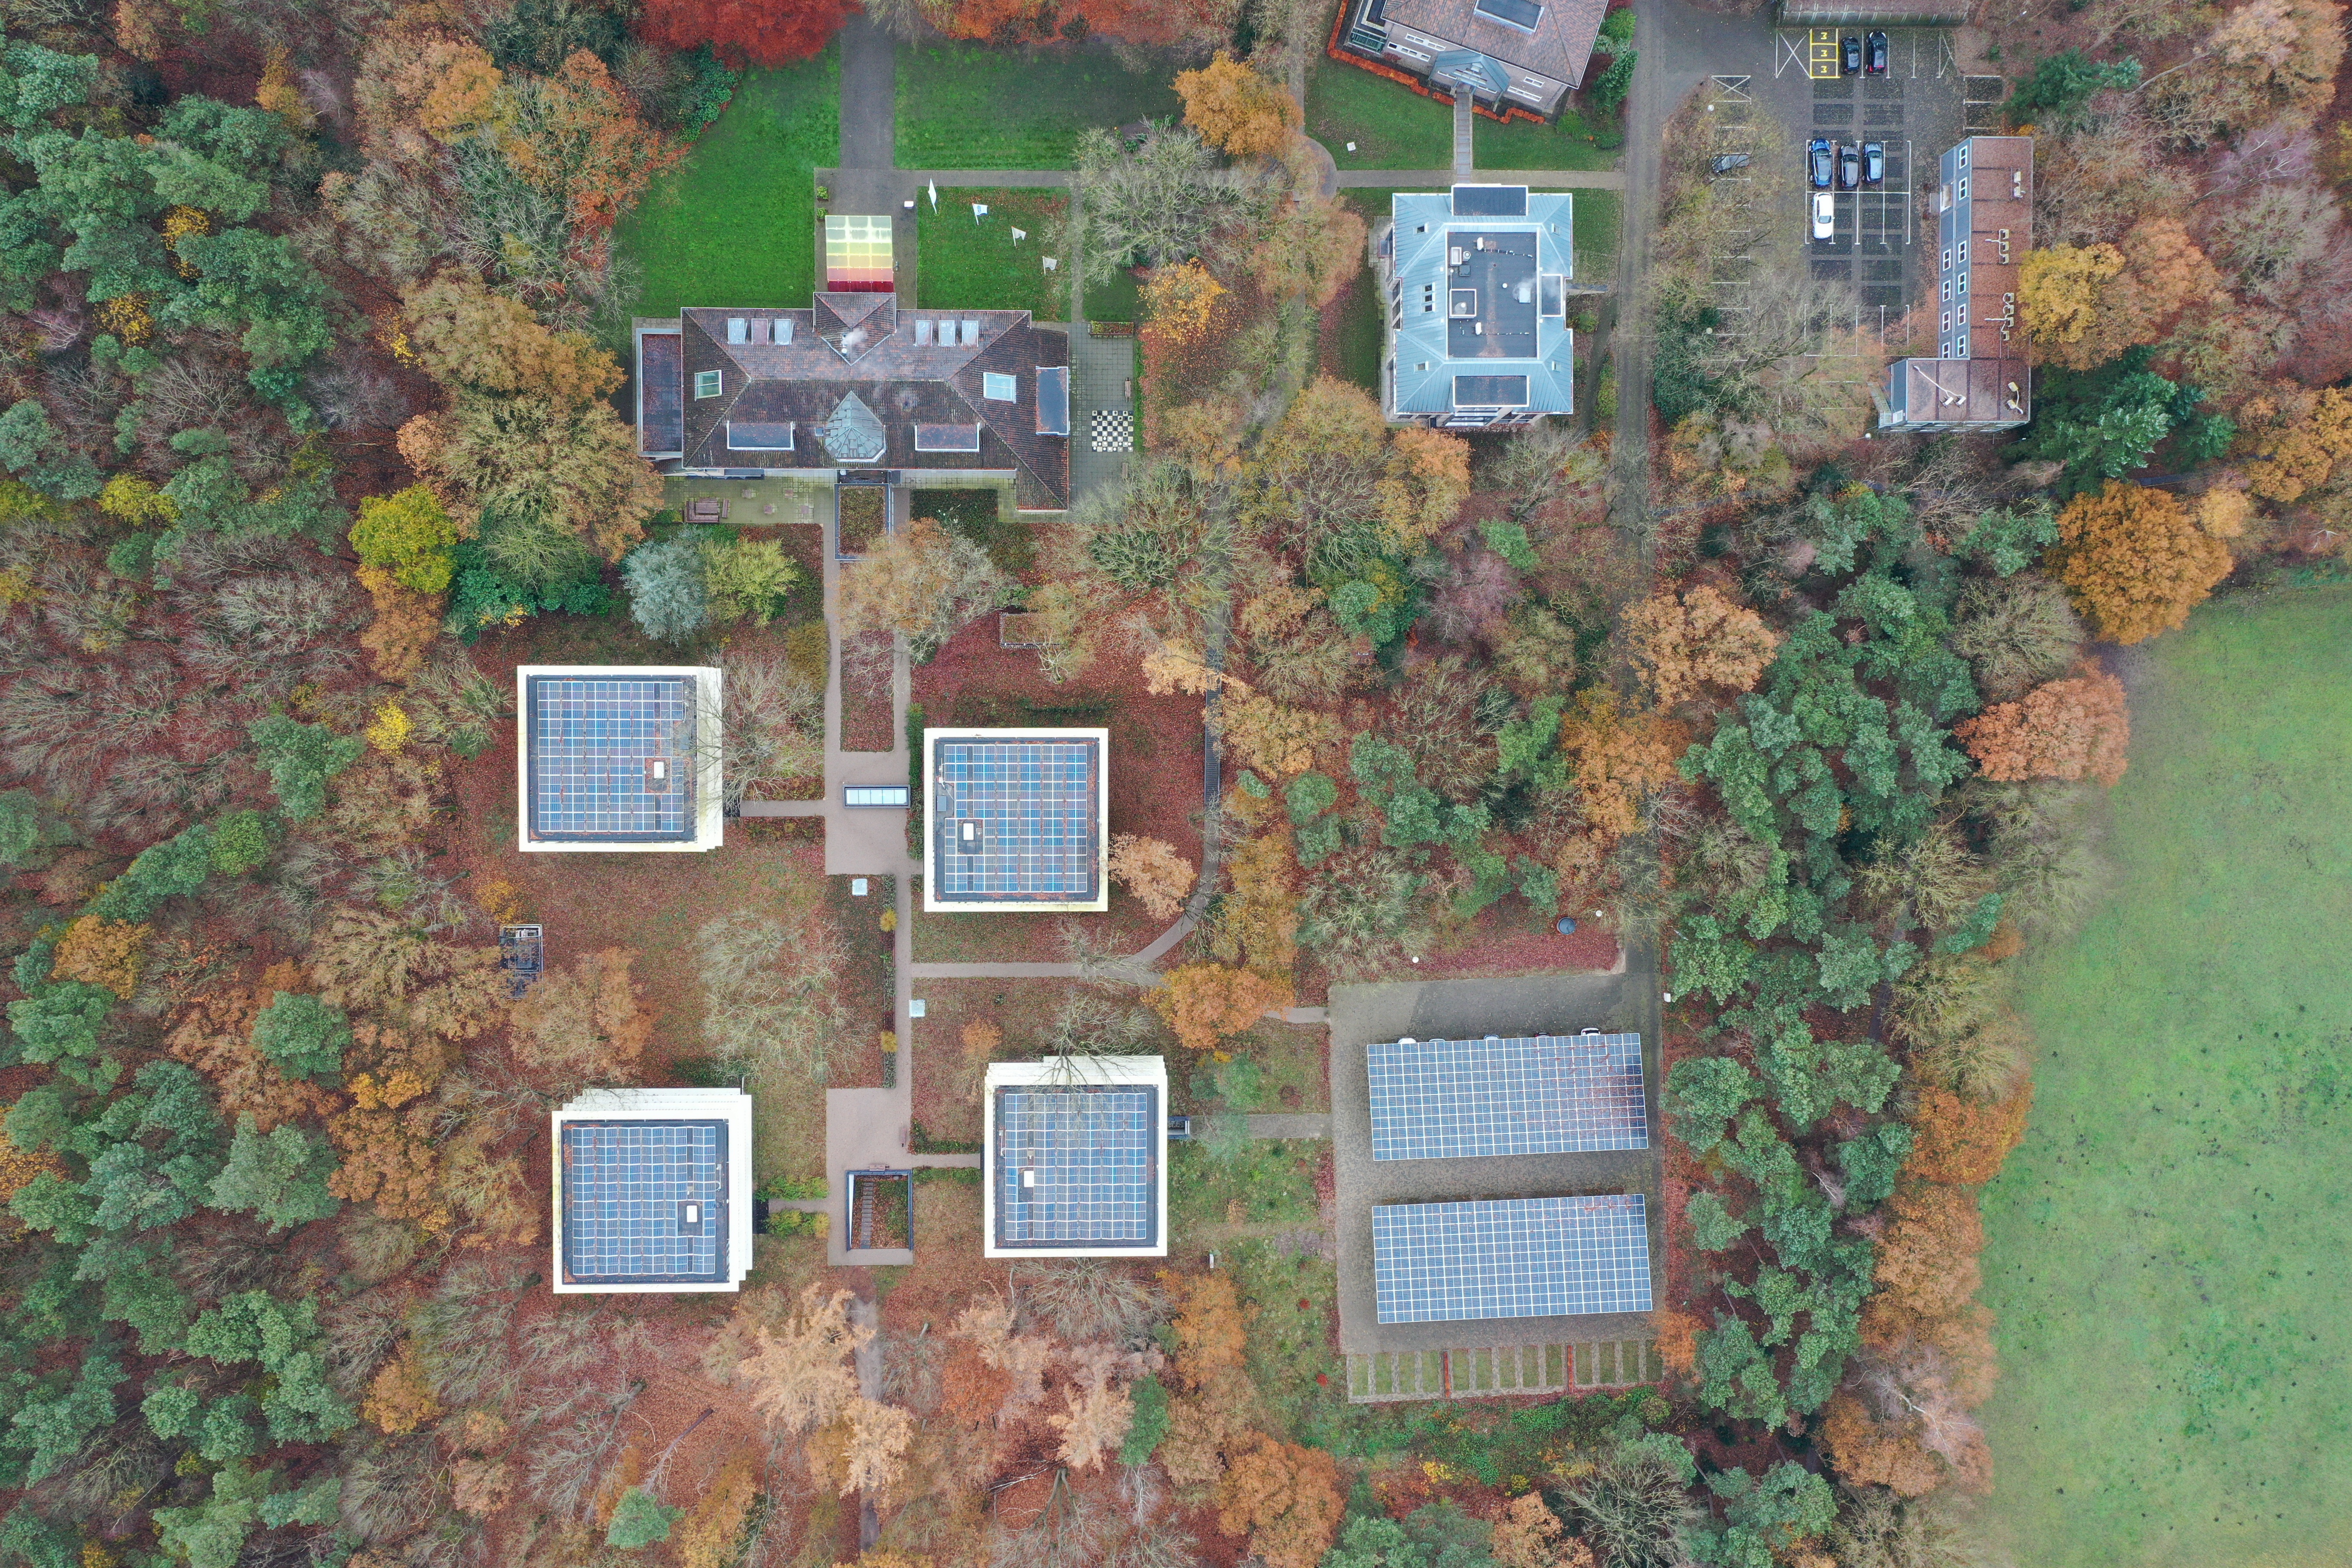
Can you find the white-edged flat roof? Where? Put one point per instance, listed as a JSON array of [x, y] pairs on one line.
[[618, 757], [1075, 1158], [1016, 820], [652, 1190]]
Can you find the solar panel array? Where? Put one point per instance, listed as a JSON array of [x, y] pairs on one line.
[[1035, 802], [1077, 1165], [625, 1185], [1514, 1258], [592, 740], [1543, 1094]]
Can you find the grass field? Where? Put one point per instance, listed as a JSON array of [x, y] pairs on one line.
[[970, 263], [2167, 1248], [1393, 126], [1598, 214], [1564, 145], [965, 106], [735, 223]]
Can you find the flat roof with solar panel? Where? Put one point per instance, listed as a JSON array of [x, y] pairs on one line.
[[1482, 1099], [619, 757], [1016, 819], [1076, 1162], [653, 1190], [1510, 1257]]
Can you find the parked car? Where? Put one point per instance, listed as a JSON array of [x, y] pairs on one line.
[[1728, 162], [1818, 155], [1874, 60], [1874, 162], [1824, 215], [1850, 54], [1849, 167]]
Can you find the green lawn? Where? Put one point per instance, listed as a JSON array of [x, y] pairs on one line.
[[1393, 126], [1564, 145], [1598, 214], [970, 263], [736, 222], [966, 106], [2168, 1251]]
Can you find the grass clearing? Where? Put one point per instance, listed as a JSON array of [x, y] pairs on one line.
[[989, 519], [736, 222], [2166, 1251], [1393, 126], [1271, 1180], [1599, 215], [970, 263], [967, 106], [1566, 143]]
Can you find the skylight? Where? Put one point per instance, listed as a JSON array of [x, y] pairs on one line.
[[1000, 388]]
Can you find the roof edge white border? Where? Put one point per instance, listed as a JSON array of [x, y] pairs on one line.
[[934, 904], [709, 780], [1085, 1070], [732, 1106]]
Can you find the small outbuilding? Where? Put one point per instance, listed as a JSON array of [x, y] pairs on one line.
[[653, 1190]]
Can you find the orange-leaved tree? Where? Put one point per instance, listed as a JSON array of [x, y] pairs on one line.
[[1206, 1002], [2077, 728], [1236, 108], [588, 1024], [1928, 1253], [1702, 639], [2135, 560], [1153, 870], [1285, 1497], [1963, 1141]]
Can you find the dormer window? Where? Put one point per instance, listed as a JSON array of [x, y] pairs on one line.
[[738, 330], [706, 384]]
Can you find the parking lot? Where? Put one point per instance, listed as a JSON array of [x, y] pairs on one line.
[[1920, 106]]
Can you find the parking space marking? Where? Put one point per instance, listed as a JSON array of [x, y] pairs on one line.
[[1822, 52], [1790, 53]]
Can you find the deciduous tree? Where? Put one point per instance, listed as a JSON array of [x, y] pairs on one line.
[[1702, 639], [2135, 560], [1153, 871], [1928, 1253], [799, 1373], [1962, 1142], [923, 584], [2058, 297], [2073, 728], [1203, 1002], [1235, 108], [1285, 1497], [589, 1024], [764, 33]]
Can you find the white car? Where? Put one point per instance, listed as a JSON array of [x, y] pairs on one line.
[[1824, 215]]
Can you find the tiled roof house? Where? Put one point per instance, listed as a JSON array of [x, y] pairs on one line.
[[858, 382], [1509, 54]]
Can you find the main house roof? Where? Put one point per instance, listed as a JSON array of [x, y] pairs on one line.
[[1481, 273], [853, 360]]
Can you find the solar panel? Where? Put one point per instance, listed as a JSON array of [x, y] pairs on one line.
[[1543, 1094], [1015, 820], [1078, 1164], [611, 758], [1514, 1258], [645, 1202]]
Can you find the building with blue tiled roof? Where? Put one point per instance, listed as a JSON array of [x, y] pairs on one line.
[[1478, 278]]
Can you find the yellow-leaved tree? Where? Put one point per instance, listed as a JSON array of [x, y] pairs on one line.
[[2136, 561]]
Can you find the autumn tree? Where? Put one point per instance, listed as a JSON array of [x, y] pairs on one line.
[[715, 1524], [1529, 1535], [1203, 1002], [1700, 640], [587, 1024], [2058, 297], [1620, 760], [1153, 871], [1285, 1497], [763, 33], [1961, 1141], [409, 535], [1095, 1419], [1332, 481], [2135, 560], [799, 1373], [1211, 1332], [2073, 729], [2298, 439], [1235, 107], [921, 583], [1928, 1253], [105, 953]]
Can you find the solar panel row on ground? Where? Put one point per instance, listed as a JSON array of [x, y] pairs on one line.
[[1015, 820], [1514, 1258], [612, 759], [1544, 1094], [625, 1188], [1075, 1165]]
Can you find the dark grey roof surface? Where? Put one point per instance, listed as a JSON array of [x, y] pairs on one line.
[[864, 345], [1559, 46]]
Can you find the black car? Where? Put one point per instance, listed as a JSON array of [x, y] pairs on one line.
[[1819, 156], [1876, 62], [1849, 167], [1874, 162], [1850, 54]]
